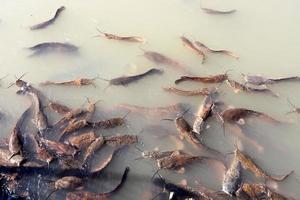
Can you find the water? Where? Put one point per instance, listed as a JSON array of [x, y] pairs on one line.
[[263, 33]]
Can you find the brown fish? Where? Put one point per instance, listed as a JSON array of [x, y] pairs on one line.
[[219, 78], [213, 11], [108, 123], [120, 140], [177, 160], [189, 44], [126, 80], [121, 38], [50, 21], [77, 82], [249, 164], [198, 92], [82, 140], [59, 108], [185, 132], [234, 115], [161, 59], [67, 183], [14, 142], [73, 125], [93, 147], [41, 153], [90, 108], [58, 148], [80, 195], [222, 51], [203, 113], [260, 191], [237, 87], [154, 111], [40, 119]]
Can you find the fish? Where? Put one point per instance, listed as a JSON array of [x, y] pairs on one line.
[[186, 133], [260, 80], [77, 82], [45, 24], [121, 38], [126, 80], [59, 108], [92, 148], [214, 11], [161, 59], [237, 87], [50, 47], [189, 44], [234, 115], [233, 177], [14, 142], [82, 140], [153, 111], [221, 51], [177, 191], [259, 191], [120, 140], [219, 78], [80, 195], [248, 163], [198, 92], [203, 113]]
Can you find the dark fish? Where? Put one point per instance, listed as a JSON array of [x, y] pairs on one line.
[[126, 80], [15, 143], [80, 195], [121, 38], [219, 78], [174, 190], [260, 80], [189, 44], [50, 21], [198, 92], [221, 51], [213, 11], [233, 177], [48, 47]]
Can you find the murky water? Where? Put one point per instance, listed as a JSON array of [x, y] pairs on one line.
[[263, 33]]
